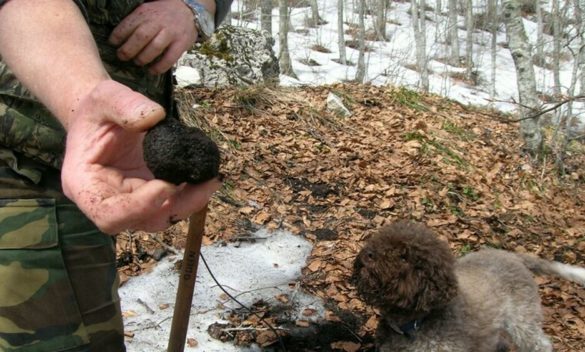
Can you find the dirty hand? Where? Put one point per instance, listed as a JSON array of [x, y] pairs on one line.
[[155, 33], [104, 172]]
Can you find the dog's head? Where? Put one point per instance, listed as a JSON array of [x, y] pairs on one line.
[[405, 269]]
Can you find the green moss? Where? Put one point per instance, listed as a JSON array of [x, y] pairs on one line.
[[454, 129], [409, 98], [218, 48]]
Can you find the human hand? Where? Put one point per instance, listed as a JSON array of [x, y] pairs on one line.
[[104, 172], [155, 33]]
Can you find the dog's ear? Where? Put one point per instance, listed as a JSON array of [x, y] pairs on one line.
[[438, 281]]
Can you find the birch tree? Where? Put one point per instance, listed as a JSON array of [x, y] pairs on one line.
[[521, 52], [418, 22], [539, 58], [580, 6], [493, 11], [453, 38], [340, 33], [380, 19], [360, 74], [438, 9], [469, 40], [556, 17], [315, 18], [283, 54], [266, 15]]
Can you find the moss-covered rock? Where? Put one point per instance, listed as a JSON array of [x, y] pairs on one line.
[[234, 56]]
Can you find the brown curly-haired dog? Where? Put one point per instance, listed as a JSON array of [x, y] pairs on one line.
[[430, 302]]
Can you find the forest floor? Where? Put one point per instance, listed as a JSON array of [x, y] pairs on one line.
[[292, 165]]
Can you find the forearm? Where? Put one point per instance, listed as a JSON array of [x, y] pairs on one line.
[[50, 49]]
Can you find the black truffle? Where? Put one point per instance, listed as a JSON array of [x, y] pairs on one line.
[[177, 153]]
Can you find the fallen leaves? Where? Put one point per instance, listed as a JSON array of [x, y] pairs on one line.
[[292, 165]]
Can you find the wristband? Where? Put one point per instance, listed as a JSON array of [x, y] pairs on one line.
[[204, 21]]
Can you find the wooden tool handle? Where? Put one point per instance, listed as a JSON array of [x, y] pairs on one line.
[[186, 287]]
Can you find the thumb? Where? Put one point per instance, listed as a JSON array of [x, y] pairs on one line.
[[125, 107]]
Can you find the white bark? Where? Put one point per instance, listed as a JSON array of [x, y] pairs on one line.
[[579, 13], [315, 19], [539, 35], [283, 54], [556, 47], [438, 8], [360, 74], [419, 27], [340, 33], [453, 30], [380, 19], [522, 54], [493, 11], [266, 15], [579, 54], [469, 40]]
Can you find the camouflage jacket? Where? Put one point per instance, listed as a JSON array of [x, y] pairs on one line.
[[29, 129]]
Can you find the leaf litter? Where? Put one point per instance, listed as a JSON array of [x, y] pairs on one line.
[[292, 165]]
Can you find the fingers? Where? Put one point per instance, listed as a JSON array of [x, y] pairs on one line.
[[154, 49], [156, 33], [152, 206], [139, 209], [126, 27], [142, 37], [113, 102], [171, 55], [192, 198]]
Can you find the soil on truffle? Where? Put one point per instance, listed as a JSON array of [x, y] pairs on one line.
[[177, 153]]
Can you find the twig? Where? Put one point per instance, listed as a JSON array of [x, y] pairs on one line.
[[165, 246], [251, 328], [145, 305], [542, 112], [274, 331]]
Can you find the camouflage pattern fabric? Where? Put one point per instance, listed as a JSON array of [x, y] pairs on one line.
[[58, 279], [58, 273]]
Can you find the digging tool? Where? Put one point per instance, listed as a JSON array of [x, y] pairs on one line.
[[187, 281]]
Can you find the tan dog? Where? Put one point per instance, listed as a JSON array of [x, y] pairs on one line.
[[431, 302]]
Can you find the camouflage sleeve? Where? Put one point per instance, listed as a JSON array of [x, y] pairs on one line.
[[2, 2]]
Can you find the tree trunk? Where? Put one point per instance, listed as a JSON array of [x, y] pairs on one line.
[[579, 55], [556, 47], [418, 22], [315, 19], [469, 41], [360, 74], [438, 8], [283, 54], [453, 37], [266, 15], [580, 4], [340, 33], [380, 19], [522, 54], [540, 60], [493, 11]]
